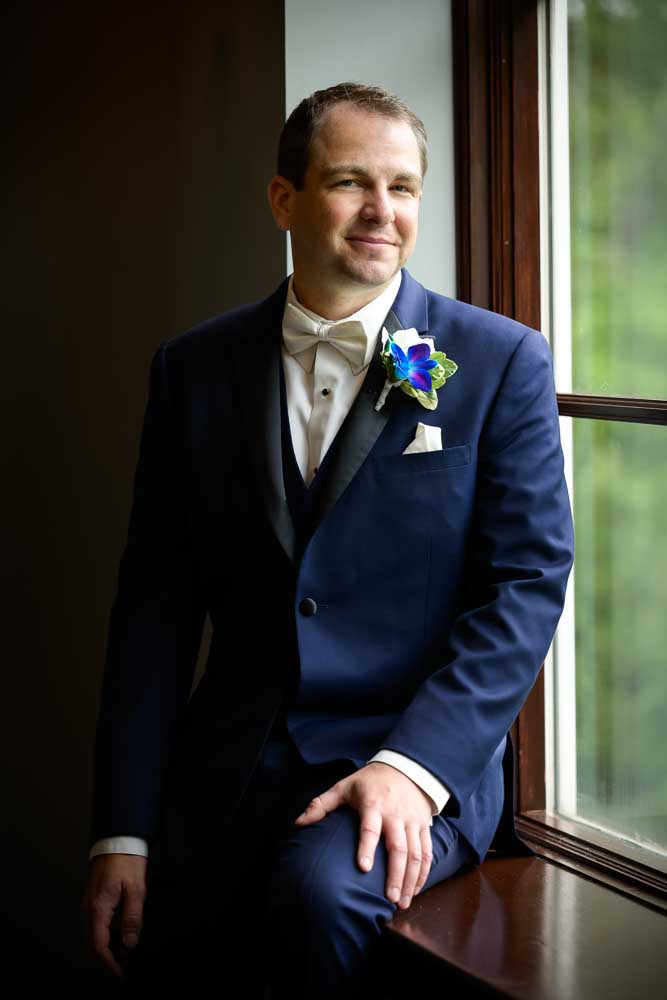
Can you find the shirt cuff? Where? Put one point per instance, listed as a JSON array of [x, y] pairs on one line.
[[436, 791], [119, 845]]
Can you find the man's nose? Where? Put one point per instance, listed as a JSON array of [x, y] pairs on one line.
[[378, 206]]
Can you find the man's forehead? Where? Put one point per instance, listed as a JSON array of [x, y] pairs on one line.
[[346, 118], [348, 134]]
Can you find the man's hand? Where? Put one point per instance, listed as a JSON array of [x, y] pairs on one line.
[[115, 892], [391, 803]]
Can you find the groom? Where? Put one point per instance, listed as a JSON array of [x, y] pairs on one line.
[[361, 481]]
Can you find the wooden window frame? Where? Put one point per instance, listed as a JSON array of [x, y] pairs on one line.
[[496, 118]]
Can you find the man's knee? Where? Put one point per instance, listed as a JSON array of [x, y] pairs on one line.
[[316, 878]]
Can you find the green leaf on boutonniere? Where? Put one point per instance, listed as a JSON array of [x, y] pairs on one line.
[[445, 369], [427, 399]]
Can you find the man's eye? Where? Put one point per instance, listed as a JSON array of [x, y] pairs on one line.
[[348, 180]]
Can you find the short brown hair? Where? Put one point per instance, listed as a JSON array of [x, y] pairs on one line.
[[299, 129]]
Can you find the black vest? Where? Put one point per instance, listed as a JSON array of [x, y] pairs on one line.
[[303, 502]]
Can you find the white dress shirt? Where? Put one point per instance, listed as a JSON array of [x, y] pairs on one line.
[[315, 418]]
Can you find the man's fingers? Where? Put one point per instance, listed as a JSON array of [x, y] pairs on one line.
[[99, 934], [107, 958], [318, 807], [370, 828], [413, 866], [427, 858], [397, 858], [131, 919]]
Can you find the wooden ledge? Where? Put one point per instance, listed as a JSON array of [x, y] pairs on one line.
[[526, 928]]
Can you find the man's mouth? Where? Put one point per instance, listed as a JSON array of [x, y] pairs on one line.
[[371, 240]]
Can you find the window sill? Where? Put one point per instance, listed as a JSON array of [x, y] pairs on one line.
[[618, 864], [527, 928]]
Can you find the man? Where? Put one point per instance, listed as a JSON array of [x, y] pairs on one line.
[[384, 565]]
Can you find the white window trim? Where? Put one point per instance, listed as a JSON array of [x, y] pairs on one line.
[[556, 310]]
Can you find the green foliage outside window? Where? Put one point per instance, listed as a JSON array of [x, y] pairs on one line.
[[617, 55]]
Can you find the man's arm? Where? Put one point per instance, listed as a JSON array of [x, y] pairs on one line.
[[154, 635], [520, 555], [155, 627]]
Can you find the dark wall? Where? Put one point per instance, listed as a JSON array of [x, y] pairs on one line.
[[141, 141]]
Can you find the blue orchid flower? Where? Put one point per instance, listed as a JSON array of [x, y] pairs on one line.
[[413, 366]]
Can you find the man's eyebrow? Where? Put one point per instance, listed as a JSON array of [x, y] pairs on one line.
[[351, 168]]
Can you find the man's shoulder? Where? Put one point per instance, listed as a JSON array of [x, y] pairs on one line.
[[468, 328], [232, 329], [460, 315], [216, 331]]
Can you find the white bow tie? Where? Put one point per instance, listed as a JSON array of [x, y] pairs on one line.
[[348, 336]]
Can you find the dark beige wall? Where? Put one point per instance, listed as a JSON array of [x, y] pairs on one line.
[[141, 140]]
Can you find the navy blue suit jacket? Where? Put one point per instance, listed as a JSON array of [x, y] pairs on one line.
[[438, 577]]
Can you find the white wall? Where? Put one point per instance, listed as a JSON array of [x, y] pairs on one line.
[[408, 49]]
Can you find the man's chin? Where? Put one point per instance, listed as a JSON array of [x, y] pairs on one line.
[[371, 275]]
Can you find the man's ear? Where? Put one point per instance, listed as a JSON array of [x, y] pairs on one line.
[[282, 198]]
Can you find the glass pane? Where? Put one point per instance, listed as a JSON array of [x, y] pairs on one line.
[[617, 73], [620, 633]]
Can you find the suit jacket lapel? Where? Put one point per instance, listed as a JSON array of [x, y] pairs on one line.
[[260, 407], [364, 424], [359, 431]]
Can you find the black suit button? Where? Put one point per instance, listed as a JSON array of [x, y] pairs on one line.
[[308, 607]]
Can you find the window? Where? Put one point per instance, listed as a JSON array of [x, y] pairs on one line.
[[606, 119], [561, 115]]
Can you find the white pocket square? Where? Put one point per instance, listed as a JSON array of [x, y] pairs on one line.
[[427, 438]]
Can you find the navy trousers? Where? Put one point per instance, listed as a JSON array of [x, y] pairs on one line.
[[274, 910]]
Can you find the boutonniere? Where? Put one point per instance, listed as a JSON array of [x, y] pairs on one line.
[[411, 363]]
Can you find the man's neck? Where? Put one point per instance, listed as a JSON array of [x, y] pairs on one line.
[[338, 304]]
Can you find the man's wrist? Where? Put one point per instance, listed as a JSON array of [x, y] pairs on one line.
[[438, 793], [119, 845]]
